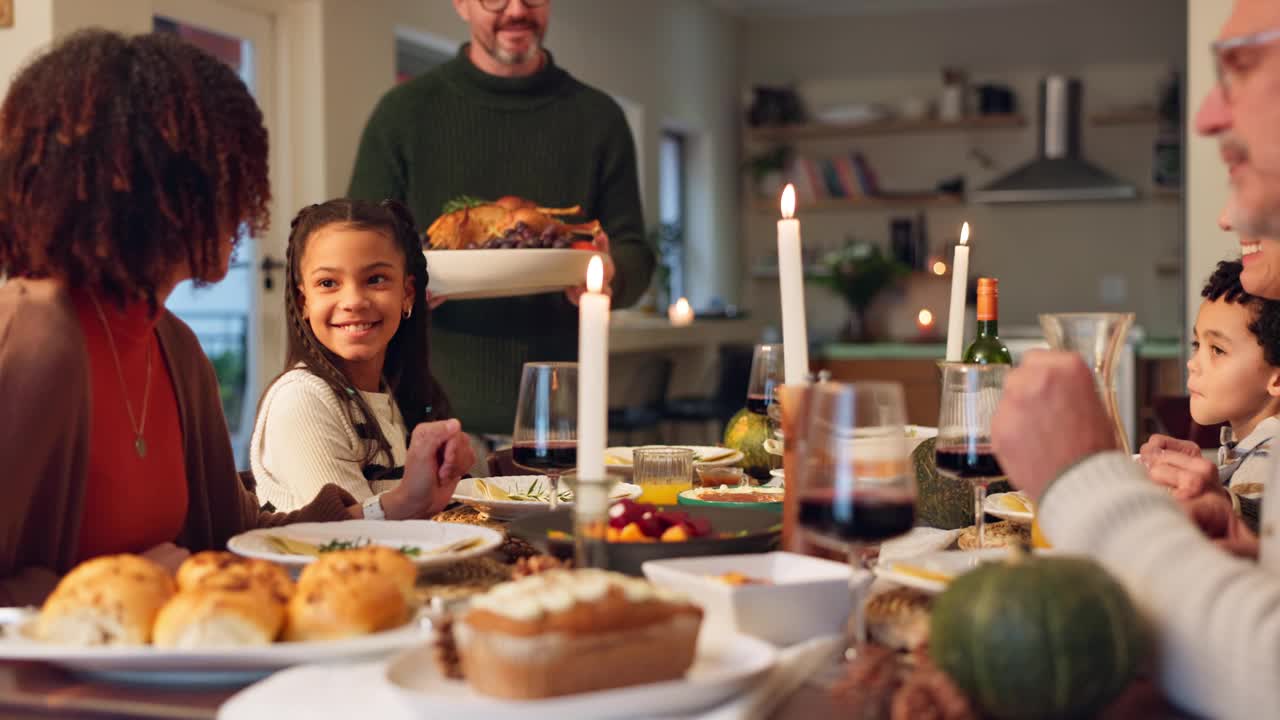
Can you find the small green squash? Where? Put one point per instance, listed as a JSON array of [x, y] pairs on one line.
[[1038, 637], [747, 431], [942, 501]]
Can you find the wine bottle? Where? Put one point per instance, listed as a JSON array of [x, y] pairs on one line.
[[987, 348]]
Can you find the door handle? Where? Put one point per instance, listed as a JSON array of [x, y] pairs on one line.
[[269, 265]]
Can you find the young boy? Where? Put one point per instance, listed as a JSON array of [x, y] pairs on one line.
[[1234, 377]]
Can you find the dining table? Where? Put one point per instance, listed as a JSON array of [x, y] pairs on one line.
[[38, 690]]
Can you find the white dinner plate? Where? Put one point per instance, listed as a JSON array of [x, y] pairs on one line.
[[617, 460], [468, 492], [151, 665], [950, 563], [724, 667], [994, 505], [476, 274], [428, 536]]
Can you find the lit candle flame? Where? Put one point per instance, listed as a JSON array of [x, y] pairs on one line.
[[939, 268], [925, 318], [595, 275], [964, 234], [680, 313], [789, 201]]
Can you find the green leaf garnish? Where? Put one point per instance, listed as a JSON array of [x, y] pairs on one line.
[[462, 202]]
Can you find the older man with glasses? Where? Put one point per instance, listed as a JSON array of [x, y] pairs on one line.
[[1217, 615], [501, 118]]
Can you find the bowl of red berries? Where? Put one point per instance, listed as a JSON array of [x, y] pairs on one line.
[[637, 532]]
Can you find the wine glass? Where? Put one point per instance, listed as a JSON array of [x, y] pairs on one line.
[[766, 373], [545, 439], [856, 488], [970, 393]]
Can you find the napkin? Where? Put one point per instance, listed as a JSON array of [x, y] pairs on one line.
[[344, 691], [919, 541]]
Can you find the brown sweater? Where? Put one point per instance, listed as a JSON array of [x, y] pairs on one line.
[[44, 440]]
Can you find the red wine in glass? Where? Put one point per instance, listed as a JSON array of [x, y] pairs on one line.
[[865, 517], [975, 463], [758, 404], [553, 457]]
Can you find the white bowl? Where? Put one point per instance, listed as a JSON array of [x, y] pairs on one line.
[[474, 274], [807, 597]]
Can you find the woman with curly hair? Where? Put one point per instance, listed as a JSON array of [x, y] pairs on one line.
[[127, 165]]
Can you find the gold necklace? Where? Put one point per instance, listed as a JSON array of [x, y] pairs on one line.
[[139, 444]]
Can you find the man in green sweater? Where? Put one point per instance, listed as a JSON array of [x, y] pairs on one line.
[[502, 118]]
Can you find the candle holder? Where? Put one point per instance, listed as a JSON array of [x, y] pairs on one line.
[[590, 521]]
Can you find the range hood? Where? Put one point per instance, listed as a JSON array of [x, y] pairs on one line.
[[1058, 173]]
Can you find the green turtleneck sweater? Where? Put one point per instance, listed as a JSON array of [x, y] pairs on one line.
[[459, 131]]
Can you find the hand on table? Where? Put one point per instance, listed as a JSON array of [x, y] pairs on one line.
[[439, 455], [1180, 466], [601, 242], [1049, 418], [434, 302], [1214, 514]]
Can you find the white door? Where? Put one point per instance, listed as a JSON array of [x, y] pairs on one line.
[[238, 320]]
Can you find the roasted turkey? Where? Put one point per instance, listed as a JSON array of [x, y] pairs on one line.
[[508, 222]]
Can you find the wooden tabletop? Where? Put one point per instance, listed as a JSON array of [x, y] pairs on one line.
[[33, 690]]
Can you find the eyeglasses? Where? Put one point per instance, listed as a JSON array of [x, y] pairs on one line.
[[1233, 57], [497, 6]]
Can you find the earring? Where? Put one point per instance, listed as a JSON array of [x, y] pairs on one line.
[[408, 313]]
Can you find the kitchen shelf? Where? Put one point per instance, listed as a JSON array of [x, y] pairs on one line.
[[1132, 116], [878, 202], [814, 131]]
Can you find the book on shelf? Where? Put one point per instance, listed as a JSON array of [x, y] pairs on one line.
[[839, 177]]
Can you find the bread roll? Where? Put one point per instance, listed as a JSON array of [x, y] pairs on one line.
[[226, 571], [352, 592], [110, 600], [371, 559], [348, 606], [1004, 533], [220, 618]]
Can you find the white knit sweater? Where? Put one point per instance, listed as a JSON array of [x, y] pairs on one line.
[[302, 441], [1217, 617]]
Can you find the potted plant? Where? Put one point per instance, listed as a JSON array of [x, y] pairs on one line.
[[767, 169], [858, 272]]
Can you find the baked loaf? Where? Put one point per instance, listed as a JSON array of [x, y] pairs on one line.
[[213, 570], [569, 631], [351, 592], [899, 618], [998, 535], [220, 618], [109, 600]]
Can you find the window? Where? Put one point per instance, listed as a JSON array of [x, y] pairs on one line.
[[673, 202]]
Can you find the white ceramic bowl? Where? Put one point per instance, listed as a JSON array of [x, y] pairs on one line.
[[807, 597]]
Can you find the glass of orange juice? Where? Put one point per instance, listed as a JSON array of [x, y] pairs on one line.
[[662, 473]]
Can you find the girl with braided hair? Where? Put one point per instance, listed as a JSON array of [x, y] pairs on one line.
[[357, 376], [127, 165]]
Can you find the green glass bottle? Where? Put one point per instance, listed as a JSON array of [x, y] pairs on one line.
[[987, 349]]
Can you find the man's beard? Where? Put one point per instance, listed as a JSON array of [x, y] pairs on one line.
[[1255, 222], [507, 57], [1261, 223]]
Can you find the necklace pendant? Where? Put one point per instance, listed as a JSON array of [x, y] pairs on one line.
[[140, 446]]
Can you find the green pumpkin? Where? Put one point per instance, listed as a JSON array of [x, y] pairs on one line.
[[747, 432], [942, 501], [1038, 637]]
